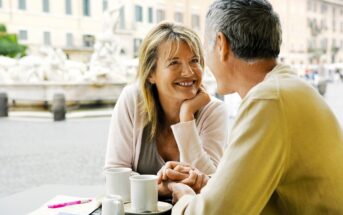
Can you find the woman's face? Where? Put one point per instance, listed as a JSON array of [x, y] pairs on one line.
[[177, 77]]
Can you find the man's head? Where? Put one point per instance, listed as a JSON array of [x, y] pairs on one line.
[[250, 28]]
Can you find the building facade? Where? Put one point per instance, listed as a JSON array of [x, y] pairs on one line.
[[140, 16], [312, 29], [73, 25]]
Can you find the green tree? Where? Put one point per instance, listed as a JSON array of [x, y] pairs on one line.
[[9, 45]]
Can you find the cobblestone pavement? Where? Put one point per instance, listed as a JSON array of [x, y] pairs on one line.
[[34, 152]]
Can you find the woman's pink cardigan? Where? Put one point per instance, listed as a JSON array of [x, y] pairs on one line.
[[201, 141]]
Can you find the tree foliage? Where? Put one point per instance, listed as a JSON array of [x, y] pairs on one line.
[[9, 45]]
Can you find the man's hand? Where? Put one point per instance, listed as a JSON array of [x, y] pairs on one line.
[[190, 106], [180, 190]]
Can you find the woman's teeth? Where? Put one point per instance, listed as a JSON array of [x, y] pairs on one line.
[[186, 84]]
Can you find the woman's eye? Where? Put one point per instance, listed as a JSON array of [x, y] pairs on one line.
[[195, 60], [173, 63]]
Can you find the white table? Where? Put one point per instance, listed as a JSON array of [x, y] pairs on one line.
[[31, 199]]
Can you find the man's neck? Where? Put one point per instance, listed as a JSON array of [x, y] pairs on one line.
[[251, 74]]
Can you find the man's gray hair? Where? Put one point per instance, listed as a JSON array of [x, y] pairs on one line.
[[251, 26]]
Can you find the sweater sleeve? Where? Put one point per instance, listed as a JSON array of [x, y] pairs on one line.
[[119, 151], [202, 147], [252, 165]]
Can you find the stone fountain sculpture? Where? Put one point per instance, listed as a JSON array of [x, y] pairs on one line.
[[51, 64], [49, 76], [106, 61]]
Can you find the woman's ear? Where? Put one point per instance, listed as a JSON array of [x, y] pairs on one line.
[[223, 46], [151, 78]]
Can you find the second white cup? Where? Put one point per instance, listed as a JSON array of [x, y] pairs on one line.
[[118, 183], [144, 193]]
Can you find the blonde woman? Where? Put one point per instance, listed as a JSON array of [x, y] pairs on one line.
[[166, 115]]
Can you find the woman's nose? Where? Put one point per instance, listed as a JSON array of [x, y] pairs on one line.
[[187, 70]]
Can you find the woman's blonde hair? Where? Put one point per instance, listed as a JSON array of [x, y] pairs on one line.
[[148, 56]]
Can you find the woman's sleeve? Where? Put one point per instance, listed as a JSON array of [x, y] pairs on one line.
[[119, 151], [203, 147]]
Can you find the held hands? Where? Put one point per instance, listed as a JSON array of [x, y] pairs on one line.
[[190, 106], [172, 172]]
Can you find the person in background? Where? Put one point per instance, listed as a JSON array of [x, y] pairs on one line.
[[285, 150], [167, 115]]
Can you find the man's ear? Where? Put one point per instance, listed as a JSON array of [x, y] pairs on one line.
[[223, 46]]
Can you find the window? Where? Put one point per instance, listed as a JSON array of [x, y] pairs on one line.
[[333, 43], [46, 6], [195, 22], [136, 44], [70, 40], [104, 5], [47, 38], [88, 41], [138, 13], [23, 35], [324, 44], [86, 8], [323, 24], [150, 15], [333, 25], [160, 15], [122, 18], [323, 8], [178, 17], [314, 6], [22, 4], [309, 5], [68, 7]]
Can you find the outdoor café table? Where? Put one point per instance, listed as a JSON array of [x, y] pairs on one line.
[[31, 199]]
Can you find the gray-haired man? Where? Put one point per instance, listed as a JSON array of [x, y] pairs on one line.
[[285, 153]]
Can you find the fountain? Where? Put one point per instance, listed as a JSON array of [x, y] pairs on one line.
[[42, 77], [106, 57]]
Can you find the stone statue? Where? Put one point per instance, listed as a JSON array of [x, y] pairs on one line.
[[105, 62], [111, 19]]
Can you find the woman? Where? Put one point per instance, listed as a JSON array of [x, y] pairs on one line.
[[167, 115]]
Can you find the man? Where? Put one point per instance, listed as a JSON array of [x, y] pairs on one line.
[[285, 150]]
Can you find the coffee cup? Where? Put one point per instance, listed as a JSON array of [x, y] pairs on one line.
[[118, 183], [144, 193]]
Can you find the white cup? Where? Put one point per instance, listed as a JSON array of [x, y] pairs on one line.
[[118, 183], [112, 205], [144, 193]]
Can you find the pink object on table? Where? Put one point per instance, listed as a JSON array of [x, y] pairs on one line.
[[60, 205]]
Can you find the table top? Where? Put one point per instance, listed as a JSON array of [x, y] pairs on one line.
[[31, 199]]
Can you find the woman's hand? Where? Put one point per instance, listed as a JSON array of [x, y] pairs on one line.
[[190, 106]]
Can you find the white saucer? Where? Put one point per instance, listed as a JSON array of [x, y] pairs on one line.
[[162, 208]]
